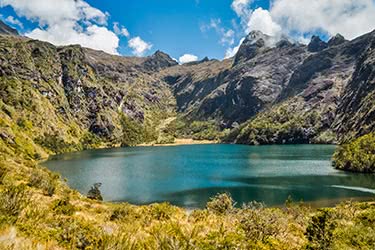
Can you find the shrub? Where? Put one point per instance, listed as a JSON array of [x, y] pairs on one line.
[[13, 200], [120, 213], [3, 172], [24, 123], [259, 224], [94, 193], [358, 155], [319, 232], [63, 206], [44, 181], [221, 204]]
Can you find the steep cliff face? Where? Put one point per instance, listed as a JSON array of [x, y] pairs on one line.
[[61, 98], [356, 112], [234, 91], [312, 107]]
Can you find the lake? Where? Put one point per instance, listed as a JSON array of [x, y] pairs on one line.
[[189, 175]]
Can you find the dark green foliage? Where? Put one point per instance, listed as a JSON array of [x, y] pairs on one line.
[[89, 141], [320, 230], [94, 192], [199, 130], [358, 155], [278, 126], [54, 143], [133, 132]]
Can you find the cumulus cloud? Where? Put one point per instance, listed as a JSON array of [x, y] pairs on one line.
[[261, 20], [14, 21], [64, 22], [95, 37], [48, 12], [242, 7], [187, 58], [300, 19], [350, 18], [139, 46], [120, 30]]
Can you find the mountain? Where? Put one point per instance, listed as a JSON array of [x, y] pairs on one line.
[[311, 106], [282, 92], [57, 99], [67, 98], [234, 90]]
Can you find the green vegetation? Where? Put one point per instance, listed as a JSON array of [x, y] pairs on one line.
[[358, 155], [199, 130], [287, 123]]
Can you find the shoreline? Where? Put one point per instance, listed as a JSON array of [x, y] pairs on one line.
[[179, 142]]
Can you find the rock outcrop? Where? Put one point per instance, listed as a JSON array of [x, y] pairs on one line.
[[316, 44]]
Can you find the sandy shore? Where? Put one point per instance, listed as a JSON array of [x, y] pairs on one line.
[[179, 142]]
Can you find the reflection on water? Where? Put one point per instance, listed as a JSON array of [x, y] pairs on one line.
[[188, 175]]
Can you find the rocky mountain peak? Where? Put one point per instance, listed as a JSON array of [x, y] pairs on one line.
[[6, 30], [284, 43], [255, 36], [206, 59], [316, 44], [159, 60], [336, 40], [253, 43]]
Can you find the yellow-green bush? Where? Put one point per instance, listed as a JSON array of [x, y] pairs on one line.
[[358, 155]]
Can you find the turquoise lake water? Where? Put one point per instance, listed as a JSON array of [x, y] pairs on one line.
[[189, 175]]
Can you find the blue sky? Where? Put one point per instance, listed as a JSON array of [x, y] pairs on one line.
[[199, 28], [175, 28]]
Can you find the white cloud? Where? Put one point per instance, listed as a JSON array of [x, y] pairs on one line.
[[120, 30], [350, 18], [95, 37], [233, 51], [301, 18], [261, 20], [139, 46], [187, 58], [241, 7], [65, 22], [226, 35], [48, 12], [14, 21]]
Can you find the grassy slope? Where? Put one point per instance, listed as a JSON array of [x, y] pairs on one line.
[[38, 209]]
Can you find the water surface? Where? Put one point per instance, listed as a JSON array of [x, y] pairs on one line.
[[188, 175]]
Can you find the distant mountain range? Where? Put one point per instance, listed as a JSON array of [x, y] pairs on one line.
[[270, 92]]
